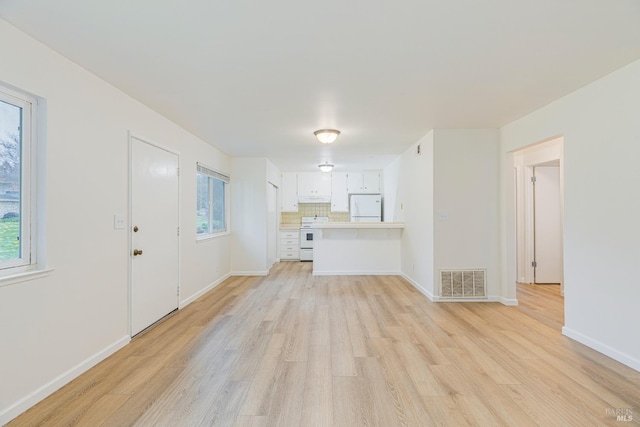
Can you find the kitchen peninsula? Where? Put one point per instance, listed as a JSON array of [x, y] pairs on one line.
[[351, 248]]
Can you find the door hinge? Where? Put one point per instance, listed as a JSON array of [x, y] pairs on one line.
[[178, 171], [533, 179], [534, 264], [178, 231]]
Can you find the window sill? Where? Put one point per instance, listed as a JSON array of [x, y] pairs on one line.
[[25, 276], [212, 236]]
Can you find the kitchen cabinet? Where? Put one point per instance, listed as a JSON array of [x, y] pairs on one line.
[[339, 193], [367, 182], [289, 193], [314, 185], [289, 245], [372, 182]]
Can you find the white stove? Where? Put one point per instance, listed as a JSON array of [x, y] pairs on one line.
[[306, 236]]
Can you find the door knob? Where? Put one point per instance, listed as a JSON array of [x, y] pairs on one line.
[[137, 252]]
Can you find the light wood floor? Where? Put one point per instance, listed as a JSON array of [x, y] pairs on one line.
[[296, 350]]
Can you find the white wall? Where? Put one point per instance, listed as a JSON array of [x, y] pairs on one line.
[[55, 327], [273, 174], [448, 199], [390, 190], [413, 204], [274, 207], [466, 203], [599, 124], [249, 213]]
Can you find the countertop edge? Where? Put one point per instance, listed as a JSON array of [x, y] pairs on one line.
[[359, 225], [290, 227]]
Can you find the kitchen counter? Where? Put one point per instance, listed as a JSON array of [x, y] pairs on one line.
[[354, 225], [357, 248], [360, 225], [285, 227]]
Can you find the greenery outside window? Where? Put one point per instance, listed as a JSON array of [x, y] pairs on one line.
[[17, 243], [212, 202]]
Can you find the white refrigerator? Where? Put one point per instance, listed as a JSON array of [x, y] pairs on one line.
[[365, 208]]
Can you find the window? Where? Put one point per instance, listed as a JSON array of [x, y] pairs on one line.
[[212, 201], [17, 248]]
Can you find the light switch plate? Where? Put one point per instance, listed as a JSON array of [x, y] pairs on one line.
[[118, 222]]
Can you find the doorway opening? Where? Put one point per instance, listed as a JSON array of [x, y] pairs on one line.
[[539, 211]]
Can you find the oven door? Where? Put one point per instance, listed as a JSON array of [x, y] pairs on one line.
[[306, 238]]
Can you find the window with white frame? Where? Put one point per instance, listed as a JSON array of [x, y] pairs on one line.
[[212, 201], [17, 206]]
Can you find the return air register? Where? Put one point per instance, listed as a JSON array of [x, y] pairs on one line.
[[463, 284]]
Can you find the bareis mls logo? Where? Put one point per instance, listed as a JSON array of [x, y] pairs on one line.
[[620, 414]]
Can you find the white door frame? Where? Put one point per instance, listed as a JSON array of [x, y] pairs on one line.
[[277, 223], [130, 137], [525, 160], [529, 225]]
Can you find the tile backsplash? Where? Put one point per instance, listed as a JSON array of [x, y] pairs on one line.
[[313, 209]]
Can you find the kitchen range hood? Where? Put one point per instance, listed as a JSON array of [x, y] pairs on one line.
[[314, 199]]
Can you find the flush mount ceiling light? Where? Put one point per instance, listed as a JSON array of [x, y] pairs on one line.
[[326, 167], [327, 136]]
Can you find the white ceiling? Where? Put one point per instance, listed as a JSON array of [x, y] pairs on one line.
[[257, 78]]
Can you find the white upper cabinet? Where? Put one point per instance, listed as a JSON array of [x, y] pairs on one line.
[[339, 193], [320, 187], [354, 182], [314, 185], [367, 182], [371, 181], [289, 193]]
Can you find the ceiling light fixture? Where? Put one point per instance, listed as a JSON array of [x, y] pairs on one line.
[[327, 136], [326, 167]]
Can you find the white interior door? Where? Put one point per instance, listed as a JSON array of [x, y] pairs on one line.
[[272, 224], [547, 225], [154, 234]]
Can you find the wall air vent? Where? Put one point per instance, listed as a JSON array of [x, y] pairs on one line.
[[463, 284]]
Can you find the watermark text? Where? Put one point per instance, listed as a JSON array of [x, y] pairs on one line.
[[620, 414]]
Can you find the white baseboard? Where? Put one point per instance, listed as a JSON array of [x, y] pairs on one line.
[[416, 285], [602, 348], [36, 396], [249, 273], [203, 291], [511, 302], [356, 273]]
